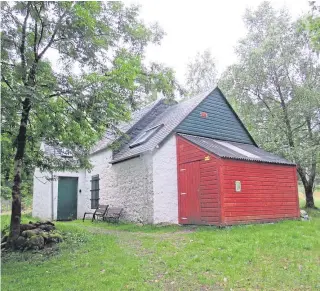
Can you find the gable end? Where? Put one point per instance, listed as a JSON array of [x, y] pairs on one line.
[[215, 118]]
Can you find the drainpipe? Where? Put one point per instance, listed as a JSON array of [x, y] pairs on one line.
[[52, 206]]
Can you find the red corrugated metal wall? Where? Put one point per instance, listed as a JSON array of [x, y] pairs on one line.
[[207, 194], [198, 185], [268, 192]]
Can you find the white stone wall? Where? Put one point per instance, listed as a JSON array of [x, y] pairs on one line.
[[127, 184], [42, 193], [101, 167], [165, 182]]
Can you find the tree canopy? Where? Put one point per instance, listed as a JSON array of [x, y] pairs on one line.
[[311, 23], [201, 73], [70, 70]]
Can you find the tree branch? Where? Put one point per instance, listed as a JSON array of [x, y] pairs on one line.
[[60, 93], [71, 105], [22, 46], [260, 98], [42, 24], [6, 81], [54, 33], [8, 64], [35, 50]]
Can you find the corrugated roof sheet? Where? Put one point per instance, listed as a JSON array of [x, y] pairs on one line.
[[235, 150], [170, 119]]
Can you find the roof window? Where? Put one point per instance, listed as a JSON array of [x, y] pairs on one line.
[[145, 136]]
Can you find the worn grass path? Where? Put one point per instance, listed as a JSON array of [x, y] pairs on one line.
[[101, 256]]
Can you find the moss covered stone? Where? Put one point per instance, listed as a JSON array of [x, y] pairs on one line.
[[35, 242], [20, 243], [55, 237], [31, 232]]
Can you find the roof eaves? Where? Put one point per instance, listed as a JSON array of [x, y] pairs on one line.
[[258, 161], [116, 161]]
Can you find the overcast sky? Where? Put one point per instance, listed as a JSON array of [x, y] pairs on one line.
[[194, 26]]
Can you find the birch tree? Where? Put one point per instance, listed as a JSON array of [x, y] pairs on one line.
[[201, 74]]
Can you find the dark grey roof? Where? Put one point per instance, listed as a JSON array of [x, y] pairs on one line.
[[170, 119], [56, 150], [123, 127], [235, 150]]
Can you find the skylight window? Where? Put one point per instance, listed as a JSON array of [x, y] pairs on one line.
[[145, 136], [238, 150], [65, 153]]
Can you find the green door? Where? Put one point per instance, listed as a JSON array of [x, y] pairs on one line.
[[67, 198]]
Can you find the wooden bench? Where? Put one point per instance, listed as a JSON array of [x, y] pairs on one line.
[[99, 212], [113, 214]]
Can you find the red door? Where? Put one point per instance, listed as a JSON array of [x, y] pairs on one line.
[[189, 185]]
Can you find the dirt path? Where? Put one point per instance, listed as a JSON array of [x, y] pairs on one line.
[[146, 245]]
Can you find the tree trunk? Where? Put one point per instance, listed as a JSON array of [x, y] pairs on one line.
[[309, 196], [18, 162], [308, 184]]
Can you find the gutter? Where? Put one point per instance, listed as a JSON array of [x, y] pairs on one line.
[[124, 159], [52, 200]]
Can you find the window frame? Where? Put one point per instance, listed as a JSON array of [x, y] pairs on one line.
[[95, 191], [145, 136]]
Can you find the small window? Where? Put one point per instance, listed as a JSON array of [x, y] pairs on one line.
[[145, 136], [65, 153], [94, 191], [238, 186]]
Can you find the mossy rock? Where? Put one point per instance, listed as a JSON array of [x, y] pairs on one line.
[[20, 243], [47, 227], [55, 237], [35, 242], [45, 235], [24, 227], [31, 232]]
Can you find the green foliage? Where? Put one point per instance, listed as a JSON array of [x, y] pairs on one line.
[[201, 74], [311, 23], [99, 77], [276, 88]]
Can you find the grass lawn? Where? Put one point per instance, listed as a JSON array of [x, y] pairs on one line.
[[100, 256]]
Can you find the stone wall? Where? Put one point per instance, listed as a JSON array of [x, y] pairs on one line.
[[127, 184], [165, 186]]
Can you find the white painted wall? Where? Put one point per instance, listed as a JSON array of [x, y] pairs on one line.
[[41, 207], [42, 203], [127, 184], [165, 182], [101, 167]]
